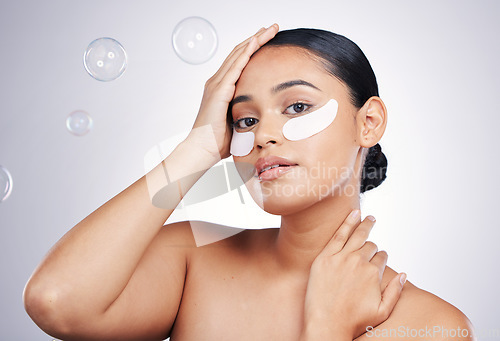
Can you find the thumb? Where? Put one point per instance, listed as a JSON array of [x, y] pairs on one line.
[[391, 294]]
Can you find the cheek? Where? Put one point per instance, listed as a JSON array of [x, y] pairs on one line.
[[245, 170], [331, 152], [326, 161]]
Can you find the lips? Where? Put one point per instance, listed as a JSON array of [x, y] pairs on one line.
[[272, 167]]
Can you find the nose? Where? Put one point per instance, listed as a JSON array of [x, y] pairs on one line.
[[269, 132]]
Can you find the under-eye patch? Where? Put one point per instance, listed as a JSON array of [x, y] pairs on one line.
[[295, 129], [305, 126], [242, 143]]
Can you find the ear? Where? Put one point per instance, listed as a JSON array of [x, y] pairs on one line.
[[371, 121]]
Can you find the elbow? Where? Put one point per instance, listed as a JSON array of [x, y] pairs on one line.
[[43, 305]]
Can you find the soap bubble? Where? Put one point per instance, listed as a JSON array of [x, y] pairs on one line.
[[194, 40], [79, 123], [5, 183], [105, 59]]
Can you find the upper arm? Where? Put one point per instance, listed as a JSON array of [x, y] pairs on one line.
[[450, 324], [147, 307], [420, 315], [456, 326]]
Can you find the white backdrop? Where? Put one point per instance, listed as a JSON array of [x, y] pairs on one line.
[[437, 67]]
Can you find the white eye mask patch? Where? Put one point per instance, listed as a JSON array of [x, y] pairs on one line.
[[295, 129], [302, 127], [241, 143]]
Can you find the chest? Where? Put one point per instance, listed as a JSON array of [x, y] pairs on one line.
[[230, 299]]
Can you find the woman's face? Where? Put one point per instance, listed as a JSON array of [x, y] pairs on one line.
[[279, 84]]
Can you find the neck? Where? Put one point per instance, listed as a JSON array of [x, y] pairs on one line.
[[303, 235]]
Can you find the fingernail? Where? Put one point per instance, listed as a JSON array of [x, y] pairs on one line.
[[370, 217], [355, 214], [402, 279]]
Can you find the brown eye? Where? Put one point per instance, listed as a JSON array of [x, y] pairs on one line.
[[245, 123], [297, 108]]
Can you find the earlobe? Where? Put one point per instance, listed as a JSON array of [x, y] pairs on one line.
[[371, 120]]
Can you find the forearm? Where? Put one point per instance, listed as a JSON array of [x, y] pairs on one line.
[[91, 265]]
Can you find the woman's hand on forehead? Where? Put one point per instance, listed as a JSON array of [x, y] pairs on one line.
[[219, 91]]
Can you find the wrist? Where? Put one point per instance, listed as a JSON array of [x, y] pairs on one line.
[[193, 151], [202, 143], [174, 176]]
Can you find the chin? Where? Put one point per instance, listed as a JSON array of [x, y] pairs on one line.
[[283, 208], [280, 199], [286, 197]]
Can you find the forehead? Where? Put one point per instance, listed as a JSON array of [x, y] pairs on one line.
[[274, 65]]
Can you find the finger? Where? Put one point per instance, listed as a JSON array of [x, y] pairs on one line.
[[258, 34], [380, 260], [360, 235], [267, 35], [368, 250], [242, 45], [234, 54], [240, 48], [245, 42], [342, 234], [390, 296], [234, 72]]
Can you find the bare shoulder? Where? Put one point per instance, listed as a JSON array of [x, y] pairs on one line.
[[419, 315]]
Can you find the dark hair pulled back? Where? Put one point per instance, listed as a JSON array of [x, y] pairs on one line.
[[343, 59]]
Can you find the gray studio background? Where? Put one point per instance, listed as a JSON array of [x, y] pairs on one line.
[[437, 67]]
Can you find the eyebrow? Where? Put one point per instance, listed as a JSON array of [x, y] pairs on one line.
[[289, 84], [240, 99], [277, 88]]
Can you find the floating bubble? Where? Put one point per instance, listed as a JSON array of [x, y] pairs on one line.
[[105, 59], [79, 123], [194, 40], [5, 183]]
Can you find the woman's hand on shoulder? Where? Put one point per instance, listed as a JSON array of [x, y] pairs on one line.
[[421, 315], [344, 293], [211, 122]]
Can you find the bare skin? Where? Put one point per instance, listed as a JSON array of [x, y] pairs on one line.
[[119, 274], [234, 290]]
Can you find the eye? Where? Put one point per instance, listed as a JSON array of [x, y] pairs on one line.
[[245, 123], [297, 108]]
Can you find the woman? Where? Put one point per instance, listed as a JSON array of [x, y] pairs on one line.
[[307, 122]]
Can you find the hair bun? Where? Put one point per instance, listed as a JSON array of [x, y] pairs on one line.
[[374, 169]]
